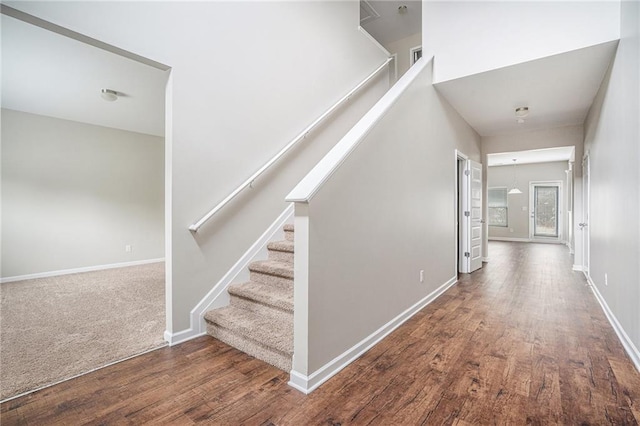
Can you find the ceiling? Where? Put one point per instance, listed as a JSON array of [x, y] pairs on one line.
[[389, 25], [48, 74], [558, 90], [547, 155]]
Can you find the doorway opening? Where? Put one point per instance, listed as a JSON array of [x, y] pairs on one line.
[[90, 176]]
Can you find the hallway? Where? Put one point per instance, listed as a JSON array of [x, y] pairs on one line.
[[521, 341]]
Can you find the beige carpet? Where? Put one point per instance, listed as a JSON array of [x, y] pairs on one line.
[[55, 328]]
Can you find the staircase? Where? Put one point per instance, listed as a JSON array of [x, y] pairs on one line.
[[259, 320]]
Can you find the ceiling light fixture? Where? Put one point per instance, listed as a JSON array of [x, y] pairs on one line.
[[402, 9], [521, 113], [109, 95], [514, 189]]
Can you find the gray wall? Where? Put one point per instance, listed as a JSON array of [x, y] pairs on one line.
[[612, 138], [401, 49], [518, 218], [390, 209], [73, 195], [246, 77]]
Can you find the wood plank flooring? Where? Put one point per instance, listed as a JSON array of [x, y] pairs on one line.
[[523, 341]]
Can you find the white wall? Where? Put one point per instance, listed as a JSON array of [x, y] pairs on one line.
[[470, 37], [390, 208], [401, 49], [246, 78], [518, 204], [74, 194], [612, 138]]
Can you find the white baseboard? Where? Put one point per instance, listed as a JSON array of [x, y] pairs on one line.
[[218, 297], [485, 259], [78, 270], [526, 240], [181, 336], [628, 345], [308, 384], [515, 240], [577, 268]]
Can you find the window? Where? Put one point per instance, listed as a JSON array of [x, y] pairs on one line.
[[415, 53], [497, 204]]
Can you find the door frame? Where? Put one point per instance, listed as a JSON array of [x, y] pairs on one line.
[[559, 212]]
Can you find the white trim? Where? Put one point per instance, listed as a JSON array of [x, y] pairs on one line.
[[374, 41], [373, 14], [576, 268], [628, 345], [218, 297], [485, 259], [315, 179], [512, 239], [308, 384], [182, 336], [78, 270]]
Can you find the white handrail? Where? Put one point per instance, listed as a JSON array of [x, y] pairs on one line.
[[313, 181], [283, 151]]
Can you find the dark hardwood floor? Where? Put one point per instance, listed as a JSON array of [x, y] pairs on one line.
[[523, 341]]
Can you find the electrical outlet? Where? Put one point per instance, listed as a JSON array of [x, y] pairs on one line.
[[127, 248], [421, 275], [606, 280]]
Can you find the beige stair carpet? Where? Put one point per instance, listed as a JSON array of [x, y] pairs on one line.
[[259, 320], [55, 328]]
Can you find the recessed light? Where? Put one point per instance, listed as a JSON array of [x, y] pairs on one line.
[[109, 95]]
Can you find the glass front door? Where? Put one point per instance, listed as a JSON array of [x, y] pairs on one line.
[[545, 214]]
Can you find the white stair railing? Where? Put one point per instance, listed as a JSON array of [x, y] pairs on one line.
[[301, 136]]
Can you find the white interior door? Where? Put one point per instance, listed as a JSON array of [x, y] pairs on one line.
[[471, 217], [584, 225], [475, 243]]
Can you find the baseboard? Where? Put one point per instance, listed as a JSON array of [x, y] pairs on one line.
[[526, 240], [181, 336], [485, 259], [78, 270], [308, 384], [577, 268], [218, 297], [511, 239], [628, 345]]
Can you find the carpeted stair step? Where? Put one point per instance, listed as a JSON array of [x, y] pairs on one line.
[[281, 251], [257, 335], [271, 272], [288, 232], [263, 299]]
